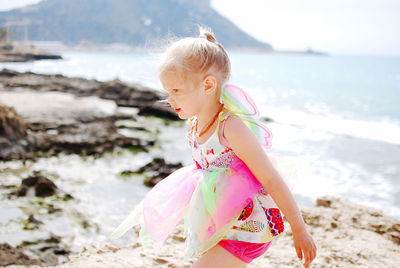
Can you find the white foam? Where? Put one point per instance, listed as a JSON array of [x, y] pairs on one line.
[[345, 179], [385, 130]]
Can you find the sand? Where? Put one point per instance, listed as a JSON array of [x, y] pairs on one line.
[[346, 235]]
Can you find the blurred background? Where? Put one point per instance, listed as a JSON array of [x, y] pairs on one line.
[[325, 76]]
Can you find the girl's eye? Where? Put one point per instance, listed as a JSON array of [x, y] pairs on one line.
[[175, 91]]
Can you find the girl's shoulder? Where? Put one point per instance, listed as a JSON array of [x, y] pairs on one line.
[[240, 127], [229, 123], [233, 123]]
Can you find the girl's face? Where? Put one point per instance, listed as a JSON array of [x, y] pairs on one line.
[[185, 92]]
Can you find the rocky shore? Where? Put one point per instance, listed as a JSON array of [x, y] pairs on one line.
[[46, 115], [43, 115], [21, 52], [346, 234]]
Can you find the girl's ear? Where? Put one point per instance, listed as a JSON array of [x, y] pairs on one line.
[[210, 84]]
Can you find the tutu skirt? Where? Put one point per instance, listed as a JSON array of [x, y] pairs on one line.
[[209, 202]]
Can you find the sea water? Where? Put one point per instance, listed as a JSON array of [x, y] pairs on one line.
[[340, 114]]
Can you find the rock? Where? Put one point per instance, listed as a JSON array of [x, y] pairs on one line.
[[324, 202], [125, 95], [10, 255], [159, 110], [43, 187], [12, 126], [31, 223], [8, 73], [154, 172], [135, 95], [76, 119], [267, 119], [157, 170], [44, 83], [38, 185], [23, 53], [61, 251], [70, 124], [60, 109], [13, 135], [33, 220], [50, 251]]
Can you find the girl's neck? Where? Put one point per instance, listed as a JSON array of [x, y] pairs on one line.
[[207, 114]]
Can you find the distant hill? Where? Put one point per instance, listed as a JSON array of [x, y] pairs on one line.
[[133, 22]]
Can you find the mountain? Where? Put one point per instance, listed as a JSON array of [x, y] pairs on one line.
[[133, 22]]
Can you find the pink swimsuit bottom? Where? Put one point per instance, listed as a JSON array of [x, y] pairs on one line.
[[245, 251]]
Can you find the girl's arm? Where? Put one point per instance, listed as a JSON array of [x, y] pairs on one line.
[[246, 146]]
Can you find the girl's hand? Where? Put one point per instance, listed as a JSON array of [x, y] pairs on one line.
[[305, 247]]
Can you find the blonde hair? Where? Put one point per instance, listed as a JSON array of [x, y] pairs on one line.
[[202, 54]]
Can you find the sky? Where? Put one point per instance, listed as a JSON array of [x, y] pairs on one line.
[[335, 26]]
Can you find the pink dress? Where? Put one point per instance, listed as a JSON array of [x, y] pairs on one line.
[[260, 220], [218, 198]]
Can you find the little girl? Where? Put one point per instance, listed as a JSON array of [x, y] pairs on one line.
[[227, 200]]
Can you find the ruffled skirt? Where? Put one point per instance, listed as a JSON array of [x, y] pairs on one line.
[[209, 202]]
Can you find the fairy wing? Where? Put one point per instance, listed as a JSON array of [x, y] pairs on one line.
[[238, 102]]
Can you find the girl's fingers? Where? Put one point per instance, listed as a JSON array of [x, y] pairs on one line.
[[309, 256], [313, 252], [306, 259], [299, 253]]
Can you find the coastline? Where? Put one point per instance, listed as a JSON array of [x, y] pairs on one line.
[[59, 46], [346, 234], [18, 51]]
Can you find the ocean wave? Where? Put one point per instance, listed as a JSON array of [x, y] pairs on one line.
[[386, 130]]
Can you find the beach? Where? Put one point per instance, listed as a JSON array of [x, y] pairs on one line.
[[346, 235], [78, 150]]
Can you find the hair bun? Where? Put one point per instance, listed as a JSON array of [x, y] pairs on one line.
[[207, 34]]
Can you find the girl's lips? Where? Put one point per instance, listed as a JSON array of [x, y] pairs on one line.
[[177, 110]]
